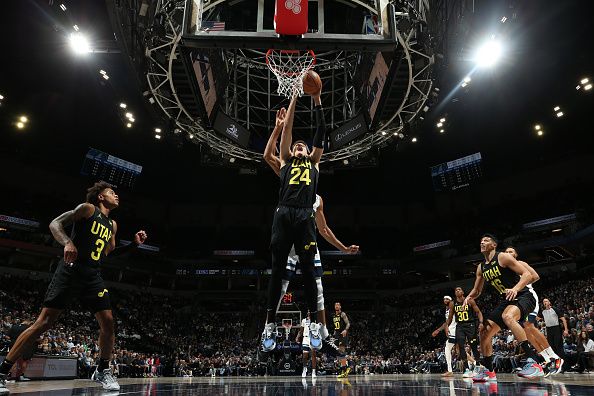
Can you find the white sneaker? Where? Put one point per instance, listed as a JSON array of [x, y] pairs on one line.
[[315, 339], [304, 373], [106, 379], [3, 389], [268, 342], [313, 374]]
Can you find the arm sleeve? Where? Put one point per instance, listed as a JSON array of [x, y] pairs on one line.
[[320, 135]]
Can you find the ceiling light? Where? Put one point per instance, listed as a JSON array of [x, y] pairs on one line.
[[442, 119], [63, 7], [537, 127], [467, 79], [1, 97], [20, 125], [559, 114], [79, 43], [123, 105], [345, 161], [129, 125], [129, 115], [414, 140], [23, 119], [584, 81], [488, 54], [132, 119], [105, 76], [158, 130], [439, 124], [75, 27], [557, 108], [539, 133], [441, 130], [157, 137], [588, 87]]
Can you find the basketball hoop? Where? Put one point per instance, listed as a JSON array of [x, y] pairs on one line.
[[289, 67]]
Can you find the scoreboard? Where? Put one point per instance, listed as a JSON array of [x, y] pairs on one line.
[[460, 173], [114, 170]]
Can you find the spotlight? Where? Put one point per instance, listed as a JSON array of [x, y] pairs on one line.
[[588, 87], [20, 125], [102, 72], [158, 137], [1, 97], [439, 124], [488, 54], [105, 76], [63, 7], [584, 81], [441, 130], [537, 127], [76, 28], [414, 140], [123, 105], [158, 130], [442, 119], [539, 133], [503, 19], [467, 79], [345, 161], [463, 85], [557, 108], [132, 119], [129, 125], [129, 115], [79, 43], [559, 114], [384, 133], [23, 119], [232, 160]]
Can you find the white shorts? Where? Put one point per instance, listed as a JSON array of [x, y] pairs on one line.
[[305, 345]]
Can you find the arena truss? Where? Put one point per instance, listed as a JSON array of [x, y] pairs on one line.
[[250, 79]]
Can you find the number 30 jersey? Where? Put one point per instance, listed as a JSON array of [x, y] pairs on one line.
[[463, 313], [91, 236], [299, 183], [498, 277]]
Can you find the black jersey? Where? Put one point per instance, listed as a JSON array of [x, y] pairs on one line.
[[463, 313], [339, 323], [299, 183], [90, 237], [500, 278]]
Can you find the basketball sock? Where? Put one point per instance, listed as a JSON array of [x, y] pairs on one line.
[[488, 362], [530, 352], [448, 355], [545, 356], [103, 364], [6, 366], [551, 353], [324, 331]]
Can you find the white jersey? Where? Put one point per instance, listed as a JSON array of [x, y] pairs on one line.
[[452, 327], [293, 258]]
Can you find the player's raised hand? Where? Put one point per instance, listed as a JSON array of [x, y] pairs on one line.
[[280, 117], [140, 237], [70, 253]]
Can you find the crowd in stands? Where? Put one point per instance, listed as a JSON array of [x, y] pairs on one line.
[[165, 335]]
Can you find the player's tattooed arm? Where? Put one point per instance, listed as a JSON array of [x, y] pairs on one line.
[[57, 226]]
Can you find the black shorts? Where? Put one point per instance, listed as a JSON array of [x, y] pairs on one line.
[[294, 226], [466, 332], [82, 282], [525, 301], [340, 340]]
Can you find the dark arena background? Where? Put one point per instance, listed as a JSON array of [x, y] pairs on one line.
[[445, 120]]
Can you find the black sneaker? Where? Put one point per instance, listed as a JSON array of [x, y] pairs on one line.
[[329, 347]]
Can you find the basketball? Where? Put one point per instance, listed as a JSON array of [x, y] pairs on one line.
[[312, 83]]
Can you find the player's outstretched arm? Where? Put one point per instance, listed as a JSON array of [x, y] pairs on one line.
[[270, 151], [327, 233], [320, 136], [287, 134]]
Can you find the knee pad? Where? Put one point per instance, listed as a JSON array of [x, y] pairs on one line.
[[320, 289]]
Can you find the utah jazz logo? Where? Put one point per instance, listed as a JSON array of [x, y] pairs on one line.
[[102, 293]]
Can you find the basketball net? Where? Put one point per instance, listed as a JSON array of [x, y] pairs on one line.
[[289, 67]]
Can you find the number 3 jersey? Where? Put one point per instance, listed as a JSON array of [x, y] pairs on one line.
[[500, 278], [299, 183], [91, 236]]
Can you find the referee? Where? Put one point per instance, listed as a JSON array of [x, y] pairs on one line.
[[553, 317]]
